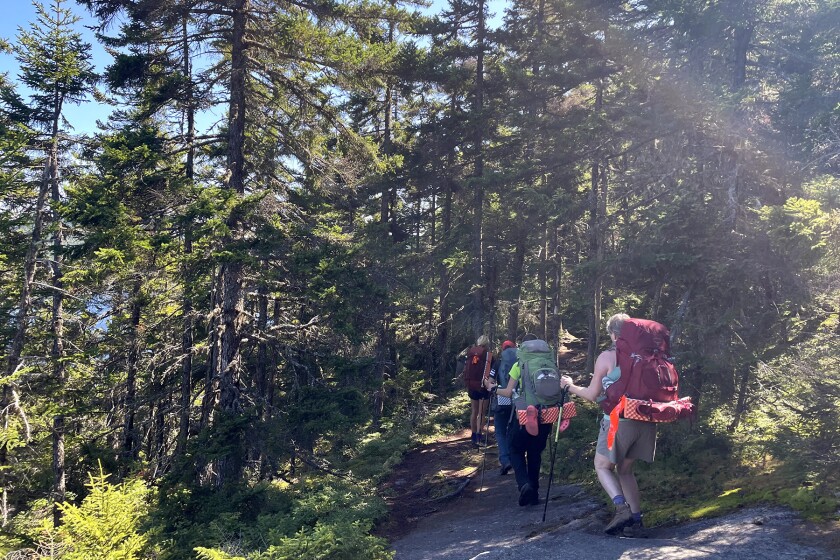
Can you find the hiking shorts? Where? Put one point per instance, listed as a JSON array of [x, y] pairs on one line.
[[481, 395], [633, 440]]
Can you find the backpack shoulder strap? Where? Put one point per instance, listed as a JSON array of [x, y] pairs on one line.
[[533, 385], [488, 362]]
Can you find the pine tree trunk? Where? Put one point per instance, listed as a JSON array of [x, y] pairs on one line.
[[130, 439], [158, 453], [741, 404], [13, 361], [388, 194], [595, 291], [59, 471], [59, 367], [741, 49], [543, 286], [29, 266], [233, 274], [261, 380], [231, 316], [443, 289], [553, 335], [595, 249], [492, 291], [208, 401], [187, 335], [478, 198], [517, 274]]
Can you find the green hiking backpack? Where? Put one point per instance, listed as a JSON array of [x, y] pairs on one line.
[[540, 378]]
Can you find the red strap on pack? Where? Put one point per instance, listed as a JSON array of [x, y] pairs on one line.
[[614, 419]]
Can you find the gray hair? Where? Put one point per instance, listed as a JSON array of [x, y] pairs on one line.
[[483, 340], [615, 322]]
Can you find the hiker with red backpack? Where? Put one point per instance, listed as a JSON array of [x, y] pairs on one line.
[[636, 386], [480, 361]]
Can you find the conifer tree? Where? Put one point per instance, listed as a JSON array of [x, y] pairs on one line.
[[55, 66]]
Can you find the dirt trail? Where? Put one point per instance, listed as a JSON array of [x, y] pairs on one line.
[[440, 508]]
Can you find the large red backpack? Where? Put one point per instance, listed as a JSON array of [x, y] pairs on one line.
[[477, 367], [643, 353]]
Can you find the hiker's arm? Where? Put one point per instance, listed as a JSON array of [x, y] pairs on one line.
[[590, 393], [508, 391], [463, 365], [505, 391]]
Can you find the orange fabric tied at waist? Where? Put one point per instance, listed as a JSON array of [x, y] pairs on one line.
[[614, 418]]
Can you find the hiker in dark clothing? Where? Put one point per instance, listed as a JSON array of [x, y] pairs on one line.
[[503, 413], [525, 448]]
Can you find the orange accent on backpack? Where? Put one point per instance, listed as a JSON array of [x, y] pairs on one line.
[[615, 414]]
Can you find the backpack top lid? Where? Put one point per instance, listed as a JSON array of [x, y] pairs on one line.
[[643, 336], [476, 351], [539, 346]]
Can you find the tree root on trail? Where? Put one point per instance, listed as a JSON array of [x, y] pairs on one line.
[[462, 483]]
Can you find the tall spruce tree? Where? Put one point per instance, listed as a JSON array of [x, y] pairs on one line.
[[55, 66]]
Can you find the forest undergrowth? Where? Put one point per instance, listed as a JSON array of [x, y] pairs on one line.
[[351, 505]]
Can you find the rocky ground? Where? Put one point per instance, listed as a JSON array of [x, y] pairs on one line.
[[441, 512]]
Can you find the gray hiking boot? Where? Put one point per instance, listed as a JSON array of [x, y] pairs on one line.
[[621, 518], [635, 530]]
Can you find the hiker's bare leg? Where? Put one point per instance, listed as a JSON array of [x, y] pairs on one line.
[[606, 475], [475, 410], [629, 486], [482, 414]]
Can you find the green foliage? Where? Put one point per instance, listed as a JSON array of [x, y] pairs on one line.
[[792, 417], [797, 229], [211, 554], [233, 519], [318, 412], [107, 524], [312, 520], [338, 502], [339, 541], [379, 452]]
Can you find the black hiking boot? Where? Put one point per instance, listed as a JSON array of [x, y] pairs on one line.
[[635, 530], [504, 470], [621, 518], [527, 495]]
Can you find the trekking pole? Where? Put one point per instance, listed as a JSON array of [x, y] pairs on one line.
[[484, 455], [554, 450]]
